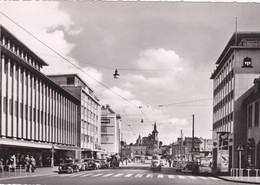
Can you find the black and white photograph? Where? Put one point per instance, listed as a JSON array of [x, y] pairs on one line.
[[129, 92]]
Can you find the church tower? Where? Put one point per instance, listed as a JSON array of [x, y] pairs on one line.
[[155, 133]]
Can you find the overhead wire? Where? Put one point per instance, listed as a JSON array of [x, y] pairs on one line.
[[67, 59]]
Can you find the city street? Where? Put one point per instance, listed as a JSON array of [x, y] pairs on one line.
[[126, 174]]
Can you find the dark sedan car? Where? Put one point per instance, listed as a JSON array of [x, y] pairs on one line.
[[90, 163], [68, 167], [103, 163]]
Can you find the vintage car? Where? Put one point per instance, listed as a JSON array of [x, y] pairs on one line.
[[156, 165], [102, 162], [98, 165], [180, 165], [91, 165], [191, 167], [68, 166], [81, 164]]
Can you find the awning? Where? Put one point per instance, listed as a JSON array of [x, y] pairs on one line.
[[21, 143], [33, 144]]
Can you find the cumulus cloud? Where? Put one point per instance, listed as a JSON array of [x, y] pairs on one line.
[[158, 59]]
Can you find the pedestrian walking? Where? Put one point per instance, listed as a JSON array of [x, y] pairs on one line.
[[170, 162], [27, 163], [12, 162], [33, 163], [1, 164]]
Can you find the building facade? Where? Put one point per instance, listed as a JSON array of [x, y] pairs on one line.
[[89, 115], [110, 130], [36, 114], [236, 67], [252, 112]]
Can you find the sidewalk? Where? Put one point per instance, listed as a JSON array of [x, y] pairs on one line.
[[22, 173], [248, 180]]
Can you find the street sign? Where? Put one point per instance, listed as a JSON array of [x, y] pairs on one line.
[[240, 147]]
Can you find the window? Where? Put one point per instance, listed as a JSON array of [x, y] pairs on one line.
[[6, 67], [250, 116], [11, 107], [4, 105], [16, 108], [256, 113], [70, 80], [21, 109]]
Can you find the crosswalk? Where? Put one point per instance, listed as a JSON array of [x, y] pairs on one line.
[[137, 175]]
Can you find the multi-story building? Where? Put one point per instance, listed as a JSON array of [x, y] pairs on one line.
[[178, 150], [89, 113], [206, 145], [110, 130], [190, 143], [251, 111], [237, 66], [36, 114]]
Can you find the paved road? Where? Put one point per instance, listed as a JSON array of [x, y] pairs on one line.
[[126, 175]]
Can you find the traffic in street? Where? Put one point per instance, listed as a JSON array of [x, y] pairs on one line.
[[132, 173]]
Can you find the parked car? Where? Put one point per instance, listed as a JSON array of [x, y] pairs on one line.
[[180, 165], [68, 166], [81, 165], [91, 165], [98, 166], [103, 163], [156, 165], [191, 167]]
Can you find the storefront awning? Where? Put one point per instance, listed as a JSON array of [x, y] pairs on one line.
[[31, 144]]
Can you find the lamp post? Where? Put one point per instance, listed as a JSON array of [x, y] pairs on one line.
[[192, 145]]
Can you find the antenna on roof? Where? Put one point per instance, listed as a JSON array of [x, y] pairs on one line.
[[236, 32]]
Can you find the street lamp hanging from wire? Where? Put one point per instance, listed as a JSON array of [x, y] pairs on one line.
[[116, 75]]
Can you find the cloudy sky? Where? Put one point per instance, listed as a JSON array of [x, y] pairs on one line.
[[165, 53]]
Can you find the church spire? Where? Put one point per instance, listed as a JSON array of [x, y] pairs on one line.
[[154, 128]]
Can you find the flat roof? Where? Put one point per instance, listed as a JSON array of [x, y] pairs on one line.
[[21, 45], [232, 44]]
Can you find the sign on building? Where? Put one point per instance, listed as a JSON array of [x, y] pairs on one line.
[[106, 121]]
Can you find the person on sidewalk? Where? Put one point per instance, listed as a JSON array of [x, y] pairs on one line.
[[170, 162], [12, 165], [33, 163], [27, 163]]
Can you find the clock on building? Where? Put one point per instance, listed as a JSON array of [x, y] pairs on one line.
[[247, 62]]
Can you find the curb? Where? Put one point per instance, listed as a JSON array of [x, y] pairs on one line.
[[25, 176], [238, 181]]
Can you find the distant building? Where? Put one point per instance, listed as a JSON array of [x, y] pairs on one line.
[[89, 113], [182, 148], [150, 142], [237, 66], [206, 145], [110, 130], [178, 150]]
